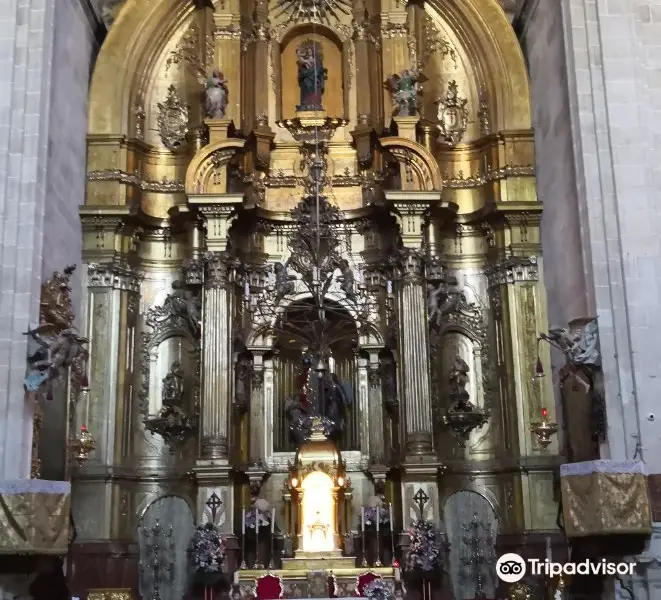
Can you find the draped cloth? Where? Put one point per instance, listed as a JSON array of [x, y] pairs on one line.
[[34, 517], [604, 497]]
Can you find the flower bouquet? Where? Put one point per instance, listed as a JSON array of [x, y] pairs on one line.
[[371, 516], [423, 560], [379, 590], [208, 553]]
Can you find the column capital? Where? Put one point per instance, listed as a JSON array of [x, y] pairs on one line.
[[409, 266], [512, 270], [220, 270]]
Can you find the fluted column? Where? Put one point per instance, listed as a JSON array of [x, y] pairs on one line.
[[414, 353], [376, 431], [258, 424], [217, 341]]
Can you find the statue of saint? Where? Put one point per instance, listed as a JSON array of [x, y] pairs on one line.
[[173, 386], [311, 75], [215, 96], [403, 88]]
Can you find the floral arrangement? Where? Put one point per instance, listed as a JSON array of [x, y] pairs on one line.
[[425, 547], [208, 550], [371, 513], [378, 590], [257, 516]]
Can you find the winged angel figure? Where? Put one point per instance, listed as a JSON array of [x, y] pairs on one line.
[[403, 88], [59, 346]]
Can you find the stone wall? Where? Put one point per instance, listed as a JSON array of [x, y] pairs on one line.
[[45, 58]]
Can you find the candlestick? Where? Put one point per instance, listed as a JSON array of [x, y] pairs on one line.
[[549, 553], [271, 563], [258, 563], [378, 537], [392, 534], [243, 539], [362, 523], [272, 520]]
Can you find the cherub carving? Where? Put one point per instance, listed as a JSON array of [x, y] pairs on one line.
[[440, 301], [459, 376], [216, 95], [284, 282], [347, 279]]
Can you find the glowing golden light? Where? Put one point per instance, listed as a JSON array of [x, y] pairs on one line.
[[340, 481], [318, 517], [294, 482]]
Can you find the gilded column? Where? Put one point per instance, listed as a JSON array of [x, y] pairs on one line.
[[376, 430], [217, 342], [261, 55], [414, 383], [227, 36], [258, 424], [361, 37]]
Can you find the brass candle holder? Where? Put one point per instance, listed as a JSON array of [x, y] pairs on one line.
[[544, 430], [82, 445]]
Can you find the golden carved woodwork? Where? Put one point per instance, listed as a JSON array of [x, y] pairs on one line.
[[110, 594], [152, 210]]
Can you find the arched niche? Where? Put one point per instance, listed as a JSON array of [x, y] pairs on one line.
[[318, 512], [164, 533], [459, 510], [417, 169], [333, 60]]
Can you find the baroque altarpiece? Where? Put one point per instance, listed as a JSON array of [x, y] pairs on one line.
[[304, 212]]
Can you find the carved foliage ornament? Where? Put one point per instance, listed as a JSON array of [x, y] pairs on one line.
[[452, 115], [172, 120]]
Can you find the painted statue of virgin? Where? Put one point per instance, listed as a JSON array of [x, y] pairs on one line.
[[311, 75]]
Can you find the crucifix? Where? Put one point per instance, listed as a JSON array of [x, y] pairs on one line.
[[214, 503], [420, 500]]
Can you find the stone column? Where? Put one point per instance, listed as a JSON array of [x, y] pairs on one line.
[[217, 356], [361, 45], [363, 408], [414, 382], [261, 57]]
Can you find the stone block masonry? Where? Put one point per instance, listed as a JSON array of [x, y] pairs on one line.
[[46, 49]]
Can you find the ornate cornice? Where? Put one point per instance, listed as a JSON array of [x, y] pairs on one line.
[[116, 276], [460, 181], [165, 186], [512, 270]]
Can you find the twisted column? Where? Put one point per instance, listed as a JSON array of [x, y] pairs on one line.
[[217, 368], [414, 382]]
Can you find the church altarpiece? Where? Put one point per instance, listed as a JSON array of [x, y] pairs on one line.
[[210, 126]]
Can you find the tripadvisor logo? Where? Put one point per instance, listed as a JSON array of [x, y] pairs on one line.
[[511, 568]]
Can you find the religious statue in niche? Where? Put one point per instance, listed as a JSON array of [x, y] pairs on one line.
[[452, 115], [403, 88], [243, 373], [311, 75], [216, 95], [319, 393], [172, 393]]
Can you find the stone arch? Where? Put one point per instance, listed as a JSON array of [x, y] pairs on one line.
[[413, 158]]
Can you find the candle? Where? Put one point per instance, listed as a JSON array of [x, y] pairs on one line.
[[256, 522], [392, 526], [389, 287], [378, 510], [246, 289], [362, 518], [272, 521], [236, 578], [243, 521], [549, 554], [398, 574]]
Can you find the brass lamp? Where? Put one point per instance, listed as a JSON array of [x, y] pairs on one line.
[[82, 445], [544, 429]]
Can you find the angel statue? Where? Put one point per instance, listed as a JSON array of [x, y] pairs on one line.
[[57, 351], [403, 88], [215, 96], [440, 301], [580, 343], [173, 386], [459, 377], [347, 279]]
